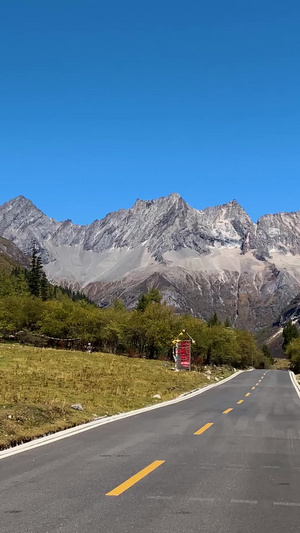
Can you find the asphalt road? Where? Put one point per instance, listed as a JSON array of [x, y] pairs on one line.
[[240, 473]]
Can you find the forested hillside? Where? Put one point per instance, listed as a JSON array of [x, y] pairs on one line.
[[34, 311]]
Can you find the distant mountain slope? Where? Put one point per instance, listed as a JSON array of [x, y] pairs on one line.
[[11, 256], [216, 259], [272, 336], [290, 312]]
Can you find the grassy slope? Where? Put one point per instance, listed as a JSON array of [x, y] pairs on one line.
[[6, 263], [38, 387], [11, 256]]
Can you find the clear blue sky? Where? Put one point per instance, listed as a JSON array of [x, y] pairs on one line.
[[102, 102]]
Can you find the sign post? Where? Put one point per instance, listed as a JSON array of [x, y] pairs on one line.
[[182, 352]]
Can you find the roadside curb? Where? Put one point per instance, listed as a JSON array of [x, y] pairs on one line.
[[43, 441], [294, 382]]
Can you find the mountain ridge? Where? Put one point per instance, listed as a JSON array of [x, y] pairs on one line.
[[215, 259], [26, 200]]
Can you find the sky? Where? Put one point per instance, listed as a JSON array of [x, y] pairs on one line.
[[104, 102]]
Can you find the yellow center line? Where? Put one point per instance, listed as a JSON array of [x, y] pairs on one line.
[[259, 381], [241, 401], [256, 384], [134, 479], [227, 411], [248, 394], [204, 428], [253, 388]]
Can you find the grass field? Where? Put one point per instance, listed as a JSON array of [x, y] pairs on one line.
[[39, 385]]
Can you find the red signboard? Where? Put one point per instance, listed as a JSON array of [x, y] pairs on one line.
[[184, 354]]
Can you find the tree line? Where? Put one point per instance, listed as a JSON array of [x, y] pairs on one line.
[[29, 303]]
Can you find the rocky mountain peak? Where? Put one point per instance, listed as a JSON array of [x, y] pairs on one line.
[[232, 210], [20, 206], [215, 259], [26, 226], [21, 202], [173, 198], [277, 233], [164, 202], [161, 225]]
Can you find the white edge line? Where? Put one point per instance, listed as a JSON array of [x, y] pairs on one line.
[[295, 382], [42, 441], [288, 504], [251, 502]]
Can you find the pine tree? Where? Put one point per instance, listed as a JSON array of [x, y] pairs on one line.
[[33, 281], [142, 303], [44, 287], [214, 321], [265, 350], [39, 267], [36, 274], [146, 298], [227, 323]]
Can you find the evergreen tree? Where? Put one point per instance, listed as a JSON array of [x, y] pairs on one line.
[[39, 267], [265, 350], [290, 332], [214, 321], [227, 323], [142, 303], [146, 298], [35, 275], [44, 287], [33, 279]]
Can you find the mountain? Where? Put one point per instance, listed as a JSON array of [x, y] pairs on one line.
[[272, 336], [11, 256], [216, 259]]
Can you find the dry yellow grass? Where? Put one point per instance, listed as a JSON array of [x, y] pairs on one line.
[[281, 364], [38, 387]]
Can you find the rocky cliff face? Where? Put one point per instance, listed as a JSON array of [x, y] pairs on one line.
[[202, 261], [276, 233], [161, 225]]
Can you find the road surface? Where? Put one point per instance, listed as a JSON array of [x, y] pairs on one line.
[[227, 460]]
